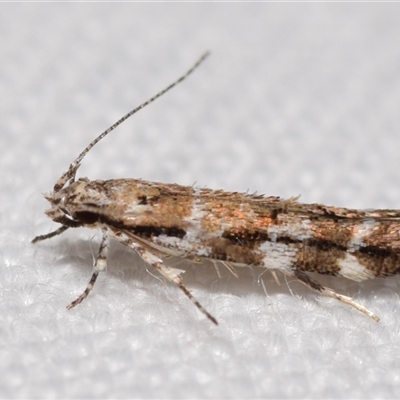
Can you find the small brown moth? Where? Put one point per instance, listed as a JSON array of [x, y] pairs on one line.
[[158, 220]]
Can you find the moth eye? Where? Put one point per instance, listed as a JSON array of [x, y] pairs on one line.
[[142, 200], [86, 217]]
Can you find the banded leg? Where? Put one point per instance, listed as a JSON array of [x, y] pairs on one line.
[[99, 265], [171, 274], [328, 292], [57, 232]]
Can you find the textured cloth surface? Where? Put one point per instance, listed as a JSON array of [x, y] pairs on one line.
[[295, 99]]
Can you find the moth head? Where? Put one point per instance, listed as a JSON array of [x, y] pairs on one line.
[[63, 202]]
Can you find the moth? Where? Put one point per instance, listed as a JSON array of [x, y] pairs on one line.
[[158, 220]]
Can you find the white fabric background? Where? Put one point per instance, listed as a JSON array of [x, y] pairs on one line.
[[295, 99]]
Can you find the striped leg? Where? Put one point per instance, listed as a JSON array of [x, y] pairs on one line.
[[171, 274], [328, 292], [99, 265], [58, 231]]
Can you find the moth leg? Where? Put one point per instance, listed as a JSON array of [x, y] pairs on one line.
[[99, 265], [57, 232], [227, 265], [171, 274], [230, 268], [215, 263], [276, 278], [328, 292]]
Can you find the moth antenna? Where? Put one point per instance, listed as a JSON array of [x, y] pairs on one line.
[[70, 174]]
